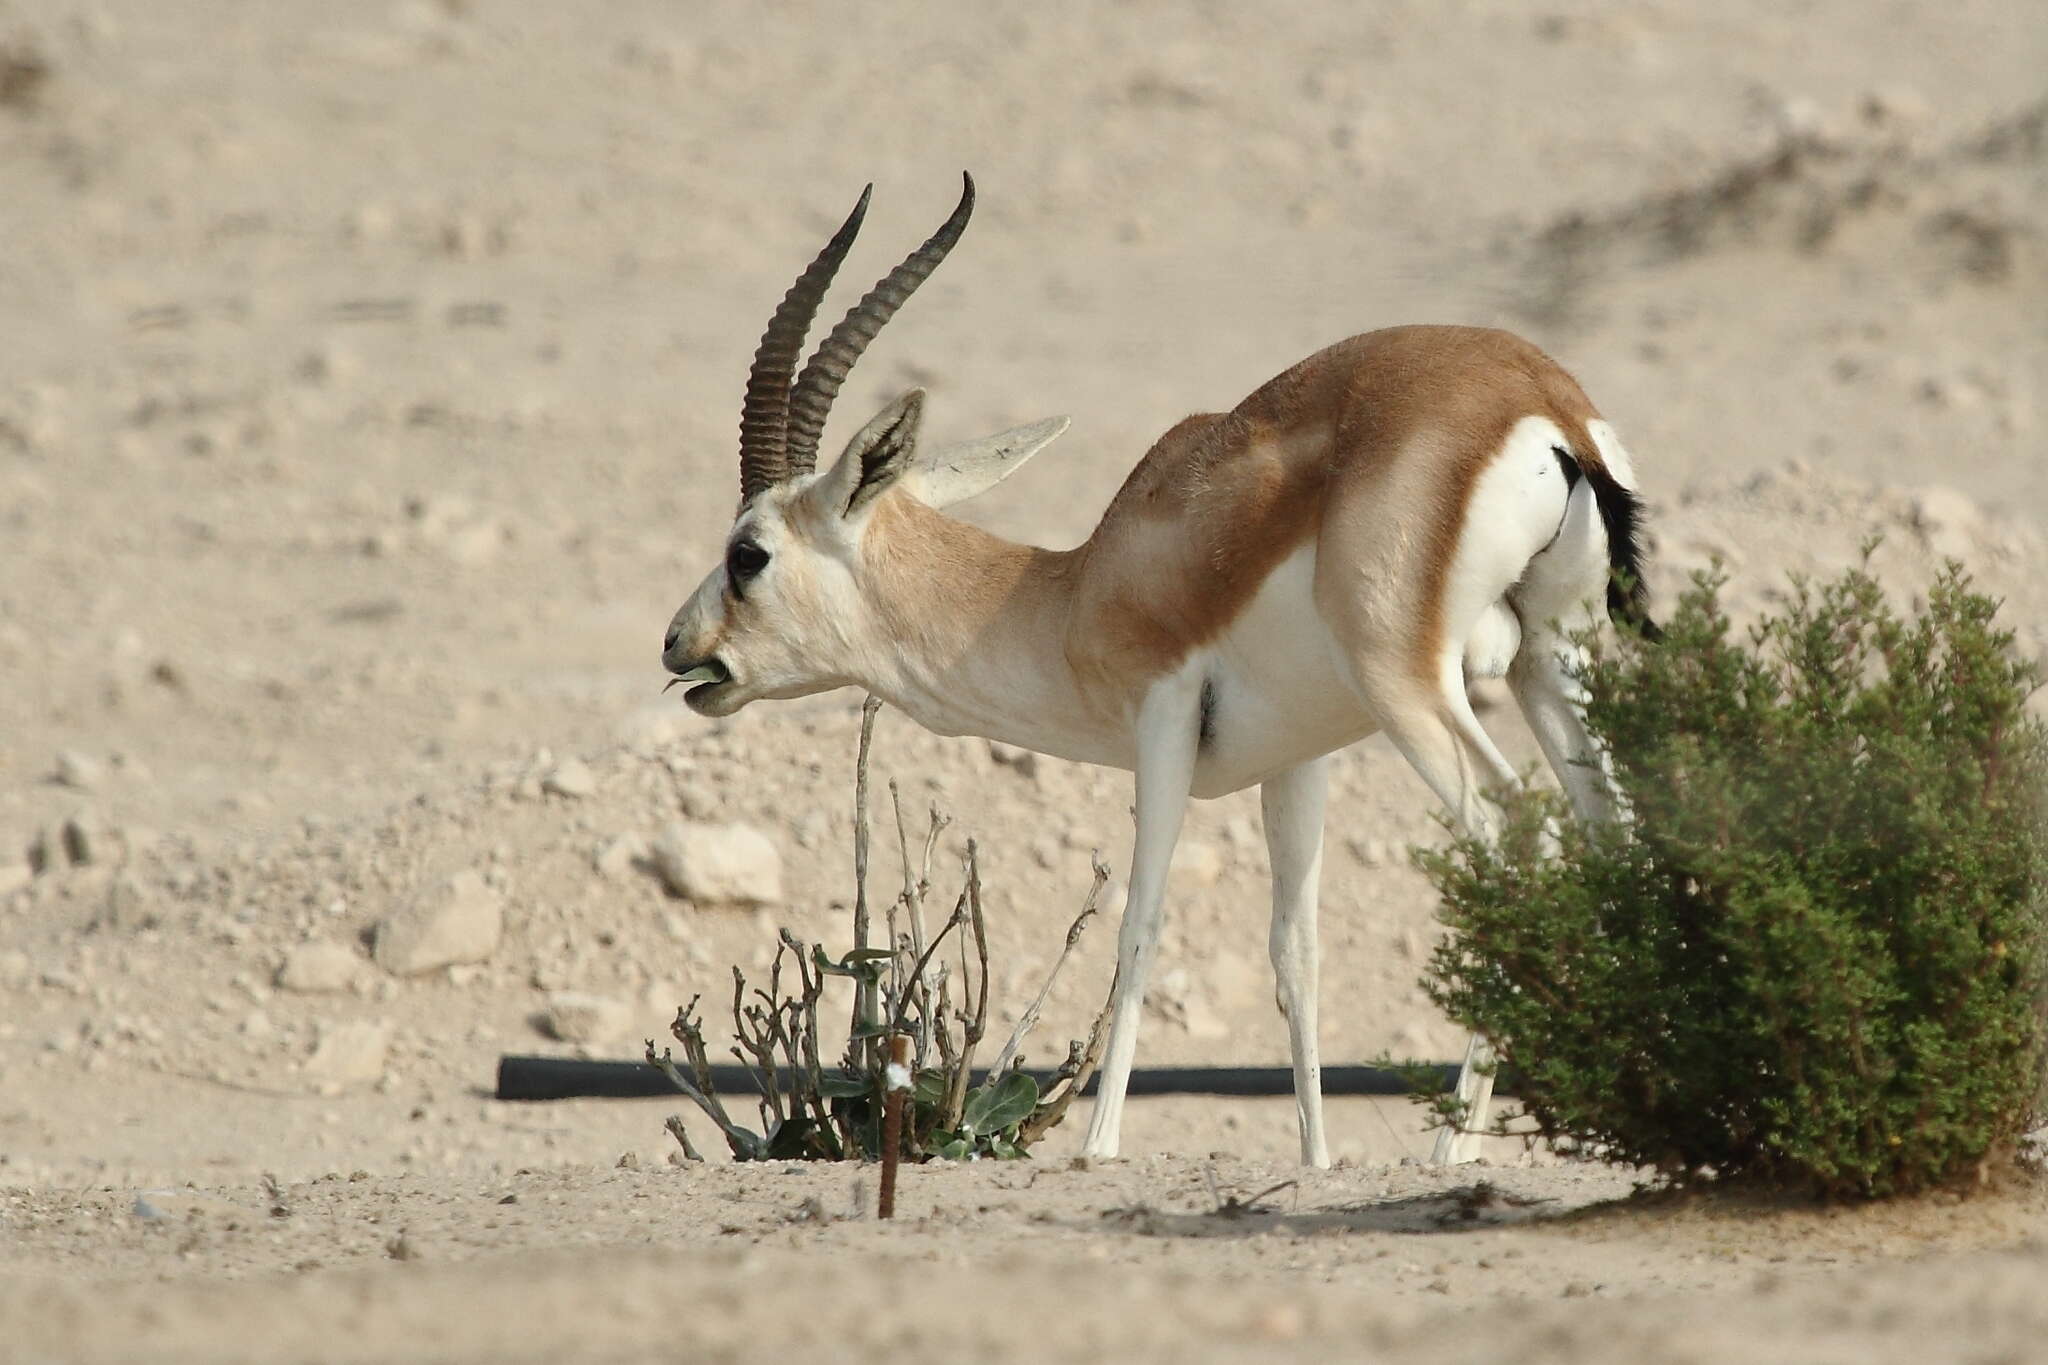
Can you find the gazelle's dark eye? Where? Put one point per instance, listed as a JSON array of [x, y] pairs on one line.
[[744, 559]]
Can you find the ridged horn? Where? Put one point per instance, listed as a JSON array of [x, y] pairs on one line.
[[764, 417], [811, 401]]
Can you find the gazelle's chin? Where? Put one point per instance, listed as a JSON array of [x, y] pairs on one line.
[[716, 699]]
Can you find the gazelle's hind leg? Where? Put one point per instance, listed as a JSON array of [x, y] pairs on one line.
[[1292, 804], [1557, 598], [1553, 701], [1381, 615], [1442, 740]]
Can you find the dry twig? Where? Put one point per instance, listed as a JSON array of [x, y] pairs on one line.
[[1030, 1019]]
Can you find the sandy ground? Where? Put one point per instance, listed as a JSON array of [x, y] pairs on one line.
[[367, 407]]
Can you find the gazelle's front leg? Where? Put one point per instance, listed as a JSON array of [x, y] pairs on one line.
[[1292, 804], [1169, 730]]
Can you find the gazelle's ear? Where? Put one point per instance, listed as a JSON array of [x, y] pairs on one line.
[[959, 472], [877, 456]]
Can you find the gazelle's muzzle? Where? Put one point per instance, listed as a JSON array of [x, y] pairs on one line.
[[704, 677]]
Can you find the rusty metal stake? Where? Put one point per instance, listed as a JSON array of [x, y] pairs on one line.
[[895, 1086]]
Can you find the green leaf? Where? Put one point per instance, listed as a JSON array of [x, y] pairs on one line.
[[1000, 1103], [929, 1087], [837, 1085], [827, 965], [792, 1141]]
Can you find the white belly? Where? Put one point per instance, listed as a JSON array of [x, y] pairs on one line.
[[1279, 697]]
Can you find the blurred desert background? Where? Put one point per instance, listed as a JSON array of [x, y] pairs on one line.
[[368, 401]]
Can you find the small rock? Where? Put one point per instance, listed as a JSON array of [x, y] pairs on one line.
[[581, 1017], [477, 543], [78, 770], [1370, 852], [617, 857], [571, 778], [813, 829], [719, 864], [16, 971], [1023, 761], [1898, 107], [86, 841], [351, 1053], [127, 906], [1947, 519], [459, 922], [648, 730], [45, 852], [319, 967]]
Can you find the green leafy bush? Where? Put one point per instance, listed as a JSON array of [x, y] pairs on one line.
[[1814, 953]]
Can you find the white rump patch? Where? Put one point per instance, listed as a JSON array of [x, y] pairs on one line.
[[1516, 508], [1612, 453]]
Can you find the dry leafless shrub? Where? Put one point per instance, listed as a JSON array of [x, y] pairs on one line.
[[907, 988]]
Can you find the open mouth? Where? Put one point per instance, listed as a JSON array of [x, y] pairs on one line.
[[703, 678]]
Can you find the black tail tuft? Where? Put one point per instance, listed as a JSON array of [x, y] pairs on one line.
[[1621, 511]]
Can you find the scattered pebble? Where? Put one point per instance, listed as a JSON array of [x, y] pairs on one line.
[[321, 966], [581, 1017], [571, 778], [80, 771], [1949, 521], [719, 864], [351, 1053], [1023, 762], [616, 857], [459, 921]]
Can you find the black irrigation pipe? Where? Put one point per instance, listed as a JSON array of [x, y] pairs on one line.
[[564, 1078]]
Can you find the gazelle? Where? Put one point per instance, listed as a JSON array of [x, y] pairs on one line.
[[1333, 557]]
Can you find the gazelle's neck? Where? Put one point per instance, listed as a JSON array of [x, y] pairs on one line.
[[976, 628]]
